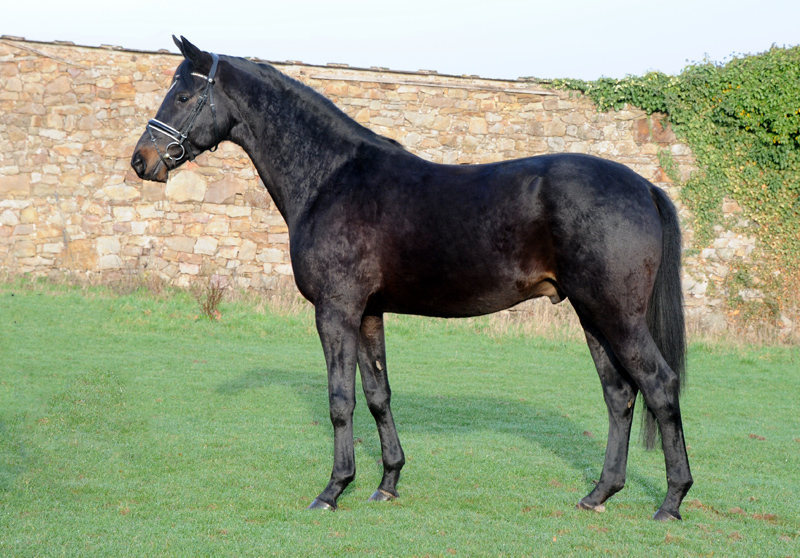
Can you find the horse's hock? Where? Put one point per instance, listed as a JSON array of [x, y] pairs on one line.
[[69, 202]]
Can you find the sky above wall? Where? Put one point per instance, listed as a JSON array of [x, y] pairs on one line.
[[583, 39]]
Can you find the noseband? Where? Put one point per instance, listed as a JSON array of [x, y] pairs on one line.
[[178, 137]]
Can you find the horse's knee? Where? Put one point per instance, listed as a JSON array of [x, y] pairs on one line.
[[378, 402], [341, 409]]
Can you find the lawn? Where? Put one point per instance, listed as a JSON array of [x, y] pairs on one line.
[[133, 426]]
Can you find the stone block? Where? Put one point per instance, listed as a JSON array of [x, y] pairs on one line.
[[420, 120], [149, 212], [189, 269], [228, 252], [214, 209], [217, 226], [206, 245], [24, 249], [153, 191], [180, 208], [411, 139], [180, 243], [196, 259], [49, 230], [224, 191], [680, 150], [29, 215], [109, 262], [15, 185], [247, 251], [362, 116], [556, 144], [13, 84], [282, 238], [36, 261], [555, 128], [69, 149], [186, 186], [441, 123], [58, 86], [257, 237], [478, 126], [194, 230], [236, 211], [124, 214], [382, 121], [336, 89], [24, 230], [118, 193], [9, 218], [107, 245], [271, 255]]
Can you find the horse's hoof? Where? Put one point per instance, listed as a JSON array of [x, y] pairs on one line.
[[318, 504], [662, 515], [600, 508], [382, 496]]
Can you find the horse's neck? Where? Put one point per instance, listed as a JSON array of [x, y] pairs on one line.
[[295, 138]]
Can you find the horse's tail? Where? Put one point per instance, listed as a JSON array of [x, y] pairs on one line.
[[665, 318]]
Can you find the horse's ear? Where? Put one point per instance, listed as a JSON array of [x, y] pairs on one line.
[[199, 59], [179, 44]]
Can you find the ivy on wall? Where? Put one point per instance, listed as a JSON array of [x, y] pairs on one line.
[[742, 122]]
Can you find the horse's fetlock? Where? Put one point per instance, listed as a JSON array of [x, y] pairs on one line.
[[394, 464], [616, 486]]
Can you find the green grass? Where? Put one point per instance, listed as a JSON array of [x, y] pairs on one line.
[[131, 427]]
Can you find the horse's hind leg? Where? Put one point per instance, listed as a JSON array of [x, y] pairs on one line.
[[619, 392], [659, 384], [372, 364]]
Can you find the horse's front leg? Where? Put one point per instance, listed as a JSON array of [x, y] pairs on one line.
[[338, 330], [372, 363]]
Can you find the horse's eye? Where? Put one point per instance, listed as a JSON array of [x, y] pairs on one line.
[[183, 99]]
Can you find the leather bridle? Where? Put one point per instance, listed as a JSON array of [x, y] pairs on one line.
[[178, 137]]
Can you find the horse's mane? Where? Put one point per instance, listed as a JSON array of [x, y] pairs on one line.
[[311, 100]]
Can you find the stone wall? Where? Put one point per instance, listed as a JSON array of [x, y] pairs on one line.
[[70, 117]]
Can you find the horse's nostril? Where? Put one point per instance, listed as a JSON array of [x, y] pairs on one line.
[[138, 164]]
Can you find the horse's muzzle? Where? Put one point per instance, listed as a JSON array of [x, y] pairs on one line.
[[147, 164]]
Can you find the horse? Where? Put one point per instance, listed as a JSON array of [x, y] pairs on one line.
[[374, 229]]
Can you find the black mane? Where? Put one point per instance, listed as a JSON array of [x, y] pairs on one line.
[[272, 79]]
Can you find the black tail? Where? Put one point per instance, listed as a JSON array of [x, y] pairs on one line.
[[665, 318]]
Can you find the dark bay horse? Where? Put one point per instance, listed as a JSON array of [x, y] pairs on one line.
[[375, 229]]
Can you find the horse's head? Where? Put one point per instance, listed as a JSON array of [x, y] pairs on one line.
[[188, 121]]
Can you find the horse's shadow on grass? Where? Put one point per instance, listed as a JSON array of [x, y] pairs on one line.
[[539, 425]]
